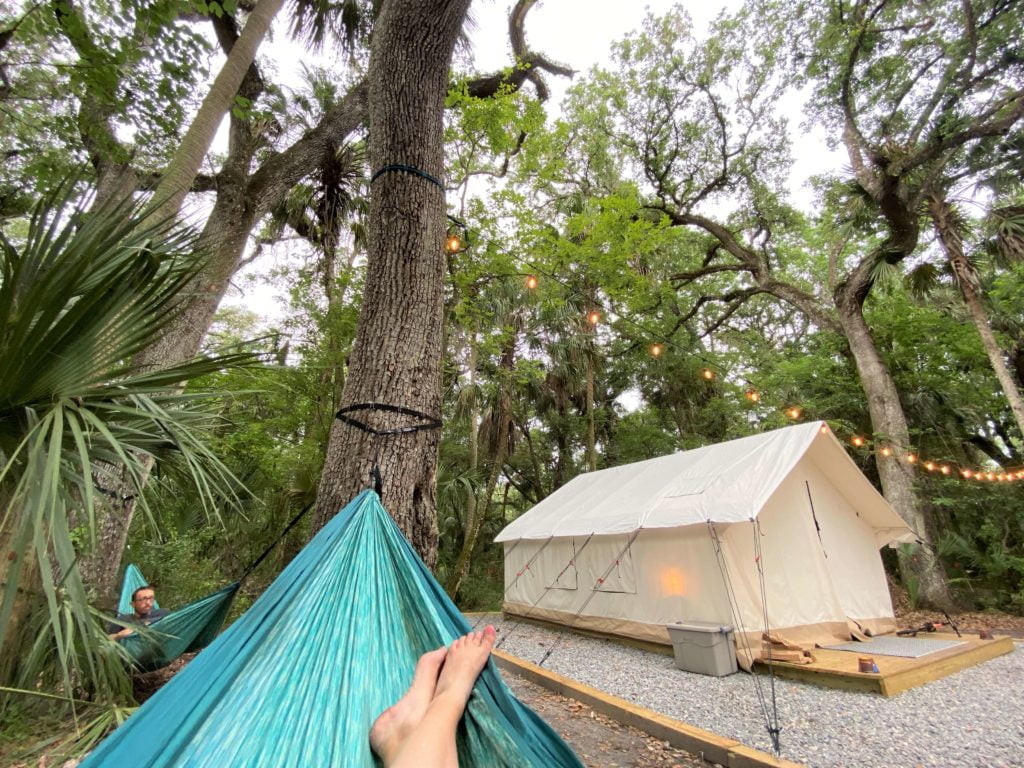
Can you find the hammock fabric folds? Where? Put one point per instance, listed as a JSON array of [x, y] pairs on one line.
[[298, 680]]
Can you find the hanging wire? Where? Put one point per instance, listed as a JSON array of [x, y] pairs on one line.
[[593, 591], [519, 622], [733, 607]]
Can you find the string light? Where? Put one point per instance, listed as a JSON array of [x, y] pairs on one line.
[[454, 243]]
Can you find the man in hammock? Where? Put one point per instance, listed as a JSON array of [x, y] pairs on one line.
[[143, 613], [419, 730]]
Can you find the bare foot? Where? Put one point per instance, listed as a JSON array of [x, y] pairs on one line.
[[396, 722], [466, 659]]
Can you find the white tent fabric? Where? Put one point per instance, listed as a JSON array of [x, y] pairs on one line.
[[687, 537], [723, 483]]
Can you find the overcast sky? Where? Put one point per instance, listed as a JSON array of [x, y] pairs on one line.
[[578, 33]]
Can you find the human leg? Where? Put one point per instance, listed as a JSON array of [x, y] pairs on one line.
[[431, 743], [395, 723]]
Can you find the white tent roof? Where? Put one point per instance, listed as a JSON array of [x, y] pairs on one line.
[[723, 483]]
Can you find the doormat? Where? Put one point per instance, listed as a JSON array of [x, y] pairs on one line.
[[907, 647]]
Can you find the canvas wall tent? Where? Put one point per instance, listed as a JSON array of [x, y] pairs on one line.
[[630, 549]]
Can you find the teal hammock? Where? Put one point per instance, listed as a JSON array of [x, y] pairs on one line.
[[298, 680], [182, 631]]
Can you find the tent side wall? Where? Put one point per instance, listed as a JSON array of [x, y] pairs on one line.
[[799, 599], [852, 556], [664, 576]]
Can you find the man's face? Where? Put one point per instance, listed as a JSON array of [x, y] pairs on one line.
[[143, 602]]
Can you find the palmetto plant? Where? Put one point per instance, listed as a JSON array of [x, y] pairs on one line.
[[80, 423]]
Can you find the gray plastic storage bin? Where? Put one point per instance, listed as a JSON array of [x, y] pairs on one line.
[[708, 649]]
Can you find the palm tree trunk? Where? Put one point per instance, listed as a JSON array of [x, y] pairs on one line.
[[472, 533], [591, 431], [944, 218], [188, 158], [474, 437]]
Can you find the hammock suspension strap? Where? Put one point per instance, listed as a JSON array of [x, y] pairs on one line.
[[427, 421], [255, 563]]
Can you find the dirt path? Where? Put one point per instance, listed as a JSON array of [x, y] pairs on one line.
[[599, 741]]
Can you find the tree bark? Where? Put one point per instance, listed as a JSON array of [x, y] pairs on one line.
[[944, 219], [184, 166], [895, 472], [396, 358]]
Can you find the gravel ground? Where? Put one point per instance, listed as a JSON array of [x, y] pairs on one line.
[[972, 718]]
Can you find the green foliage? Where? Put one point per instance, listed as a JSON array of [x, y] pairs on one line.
[[80, 295]]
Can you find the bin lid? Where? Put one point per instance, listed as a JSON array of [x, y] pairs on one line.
[[700, 626]]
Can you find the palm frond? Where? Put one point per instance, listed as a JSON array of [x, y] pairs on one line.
[[80, 296]]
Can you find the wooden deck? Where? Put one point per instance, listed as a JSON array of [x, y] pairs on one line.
[[838, 669]]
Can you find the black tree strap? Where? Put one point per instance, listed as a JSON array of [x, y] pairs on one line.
[[405, 168], [278, 540], [429, 422]]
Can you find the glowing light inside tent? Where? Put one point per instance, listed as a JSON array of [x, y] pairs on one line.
[[673, 584]]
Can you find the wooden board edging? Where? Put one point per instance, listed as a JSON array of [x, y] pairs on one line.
[[709, 746]]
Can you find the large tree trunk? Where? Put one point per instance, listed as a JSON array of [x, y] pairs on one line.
[[396, 358], [895, 472], [944, 218]]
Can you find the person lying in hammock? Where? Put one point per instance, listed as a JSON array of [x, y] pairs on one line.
[[419, 730], [143, 613]]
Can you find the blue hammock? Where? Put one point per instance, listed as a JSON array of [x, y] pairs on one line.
[[298, 680]]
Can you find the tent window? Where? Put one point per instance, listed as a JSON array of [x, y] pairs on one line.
[[565, 577], [620, 577]]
